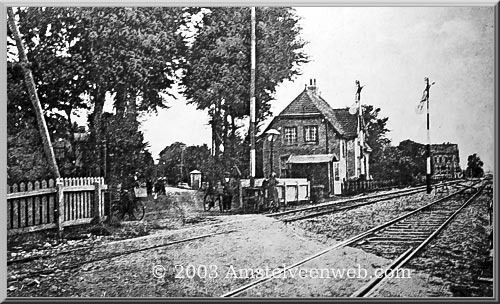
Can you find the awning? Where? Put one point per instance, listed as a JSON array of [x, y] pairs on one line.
[[311, 159]]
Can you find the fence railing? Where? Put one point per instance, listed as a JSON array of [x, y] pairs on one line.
[[360, 186], [49, 204], [290, 190]]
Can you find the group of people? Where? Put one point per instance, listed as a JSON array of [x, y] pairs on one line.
[[223, 191]]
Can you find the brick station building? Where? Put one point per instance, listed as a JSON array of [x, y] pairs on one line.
[[317, 142]]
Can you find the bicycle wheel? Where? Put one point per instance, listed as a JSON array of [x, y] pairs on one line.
[[218, 201], [208, 203], [117, 212], [138, 211]]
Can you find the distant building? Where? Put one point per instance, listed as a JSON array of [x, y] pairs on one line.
[[445, 160], [316, 142]]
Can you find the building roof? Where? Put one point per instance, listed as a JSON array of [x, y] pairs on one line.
[[309, 103], [310, 159], [444, 148]]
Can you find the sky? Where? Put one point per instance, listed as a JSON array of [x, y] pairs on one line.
[[389, 50]]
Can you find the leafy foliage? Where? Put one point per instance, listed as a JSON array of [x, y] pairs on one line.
[[26, 159], [177, 160], [124, 150], [78, 54], [474, 166], [376, 131], [405, 163], [217, 70]]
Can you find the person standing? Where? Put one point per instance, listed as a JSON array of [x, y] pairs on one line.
[[228, 195], [220, 195], [273, 190], [149, 187]]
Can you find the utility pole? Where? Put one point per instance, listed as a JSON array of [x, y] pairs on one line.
[[252, 103], [35, 101], [183, 147]]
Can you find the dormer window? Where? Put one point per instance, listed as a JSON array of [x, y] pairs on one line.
[[311, 134]]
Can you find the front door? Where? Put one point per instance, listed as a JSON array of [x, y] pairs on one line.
[[337, 183]]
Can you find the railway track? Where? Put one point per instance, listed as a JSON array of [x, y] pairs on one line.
[[89, 249], [347, 204], [408, 237], [102, 256], [329, 207], [90, 254], [428, 217]]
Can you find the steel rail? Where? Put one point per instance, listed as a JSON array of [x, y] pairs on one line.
[[336, 246], [315, 214], [127, 240], [375, 281], [76, 265], [333, 203], [369, 288]]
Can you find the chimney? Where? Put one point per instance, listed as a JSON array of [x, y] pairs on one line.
[[312, 88]]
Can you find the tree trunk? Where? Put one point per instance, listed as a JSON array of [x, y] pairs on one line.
[[97, 123], [216, 130], [132, 107], [121, 101], [224, 138], [30, 84]]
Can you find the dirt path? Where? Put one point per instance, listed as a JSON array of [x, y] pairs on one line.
[[215, 265]]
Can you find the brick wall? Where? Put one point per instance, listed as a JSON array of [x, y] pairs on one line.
[[300, 147]]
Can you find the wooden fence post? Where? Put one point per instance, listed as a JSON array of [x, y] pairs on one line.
[[59, 213], [297, 193], [284, 195], [240, 190], [97, 201]]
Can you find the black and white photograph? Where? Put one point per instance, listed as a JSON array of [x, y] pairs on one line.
[[250, 151]]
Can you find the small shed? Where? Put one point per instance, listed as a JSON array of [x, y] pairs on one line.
[[195, 177]]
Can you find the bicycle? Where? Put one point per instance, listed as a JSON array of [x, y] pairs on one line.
[[210, 200], [127, 205], [273, 205]]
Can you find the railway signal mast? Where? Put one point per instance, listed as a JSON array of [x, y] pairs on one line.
[[356, 108], [420, 107]]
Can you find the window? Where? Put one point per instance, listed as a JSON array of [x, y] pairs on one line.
[[290, 135], [311, 134], [336, 171]]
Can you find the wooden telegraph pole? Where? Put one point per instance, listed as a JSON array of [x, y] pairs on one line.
[[35, 101], [252, 103]]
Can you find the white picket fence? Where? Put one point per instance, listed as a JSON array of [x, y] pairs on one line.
[[290, 190], [49, 204]]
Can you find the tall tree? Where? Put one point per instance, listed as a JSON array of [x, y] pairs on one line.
[[217, 70], [376, 131], [80, 55], [177, 160], [33, 95], [474, 166], [131, 52], [124, 150], [405, 162]]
